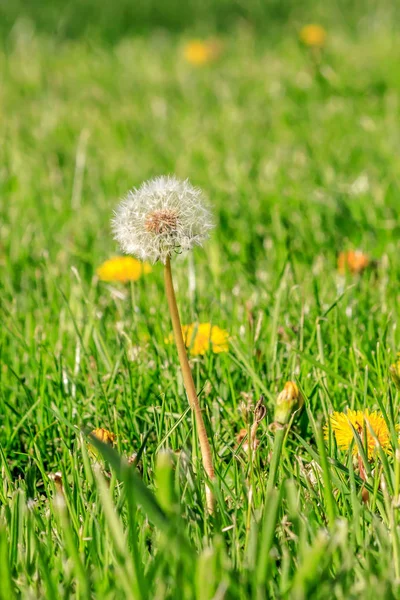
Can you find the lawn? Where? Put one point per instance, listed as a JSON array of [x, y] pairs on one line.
[[297, 152]]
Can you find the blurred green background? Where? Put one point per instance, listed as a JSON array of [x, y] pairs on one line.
[[111, 20]]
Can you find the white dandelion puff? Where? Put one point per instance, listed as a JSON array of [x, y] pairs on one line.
[[163, 216]]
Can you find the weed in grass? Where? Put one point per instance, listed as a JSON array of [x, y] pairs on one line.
[[163, 217]]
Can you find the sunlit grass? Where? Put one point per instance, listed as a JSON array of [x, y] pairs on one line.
[[299, 164]]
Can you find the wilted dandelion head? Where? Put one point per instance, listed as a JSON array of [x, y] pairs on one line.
[[342, 425], [163, 216], [242, 439]]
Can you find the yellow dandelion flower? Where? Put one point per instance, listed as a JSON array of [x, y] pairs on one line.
[[341, 426], [198, 52], [313, 36], [200, 337], [123, 269], [394, 371], [354, 261]]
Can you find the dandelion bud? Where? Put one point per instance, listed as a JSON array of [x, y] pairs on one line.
[[105, 436], [394, 371], [288, 401], [163, 216]]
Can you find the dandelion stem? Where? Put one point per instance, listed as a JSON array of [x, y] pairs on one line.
[[188, 381]]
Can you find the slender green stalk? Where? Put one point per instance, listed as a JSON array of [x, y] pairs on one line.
[[326, 476], [276, 456]]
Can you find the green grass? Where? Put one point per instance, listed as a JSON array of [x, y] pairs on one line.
[[297, 167]]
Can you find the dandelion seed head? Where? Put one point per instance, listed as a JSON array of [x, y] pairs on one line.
[[163, 216], [162, 221]]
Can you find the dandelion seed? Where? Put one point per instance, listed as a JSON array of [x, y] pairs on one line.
[[313, 36], [162, 217], [199, 53], [354, 261], [31, 503], [313, 471], [341, 424], [123, 269]]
